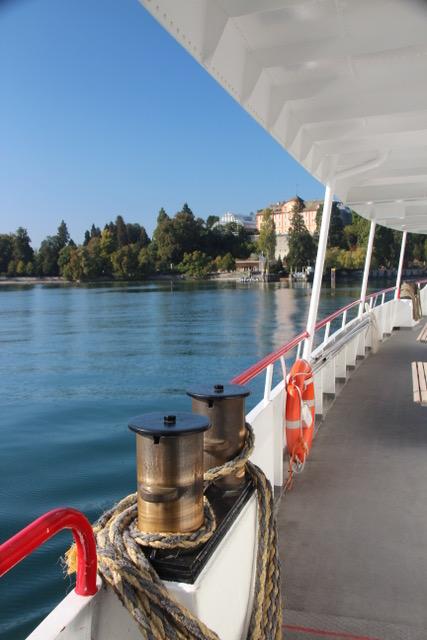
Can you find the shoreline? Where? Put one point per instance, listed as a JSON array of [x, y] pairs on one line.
[[27, 280], [33, 280], [226, 277]]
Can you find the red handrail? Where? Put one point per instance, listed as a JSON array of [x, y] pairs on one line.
[[336, 314], [376, 294], [257, 368], [322, 323], [36, 533]]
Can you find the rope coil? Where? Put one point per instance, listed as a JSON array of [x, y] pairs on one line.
[[123, 564], [236, 464]]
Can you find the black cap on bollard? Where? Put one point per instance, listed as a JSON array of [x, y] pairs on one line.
[[215, 391], [157, 424]]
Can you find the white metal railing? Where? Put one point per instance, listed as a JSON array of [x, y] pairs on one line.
[[345, 337]]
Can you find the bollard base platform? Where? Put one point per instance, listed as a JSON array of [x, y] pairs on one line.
[[185, 566]]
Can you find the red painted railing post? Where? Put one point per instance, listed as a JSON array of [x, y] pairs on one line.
[[36, 533]]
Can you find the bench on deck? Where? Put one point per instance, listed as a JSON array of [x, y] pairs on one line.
[[419, 382], [423, 334]]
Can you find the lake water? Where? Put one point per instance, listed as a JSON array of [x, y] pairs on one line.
[[77, 362]]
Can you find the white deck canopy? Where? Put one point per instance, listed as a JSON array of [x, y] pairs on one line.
[[338, 83]]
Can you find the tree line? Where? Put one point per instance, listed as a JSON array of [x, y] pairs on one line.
[[346, 243], [182, 243], [186, 244]]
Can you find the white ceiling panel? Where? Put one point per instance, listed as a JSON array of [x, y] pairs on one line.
[[338, 83]]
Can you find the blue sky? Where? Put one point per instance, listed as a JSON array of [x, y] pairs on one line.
[[103, 113]]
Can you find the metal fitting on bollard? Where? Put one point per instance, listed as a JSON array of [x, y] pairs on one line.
[[224, 407], [169, 471]]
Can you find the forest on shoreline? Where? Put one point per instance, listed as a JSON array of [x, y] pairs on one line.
[[196, 248]]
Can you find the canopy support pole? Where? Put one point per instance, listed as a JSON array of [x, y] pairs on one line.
[[318, 271], [323, 240], [399, 270], [367, 267]]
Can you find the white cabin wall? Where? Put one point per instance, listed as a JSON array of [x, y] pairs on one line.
[[403, 314]]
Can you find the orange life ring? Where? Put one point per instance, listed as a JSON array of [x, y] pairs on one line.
[[300, 412]]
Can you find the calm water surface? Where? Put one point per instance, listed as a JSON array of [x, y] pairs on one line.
[[77, 362]]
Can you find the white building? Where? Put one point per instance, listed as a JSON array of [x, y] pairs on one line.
[[248, 222]]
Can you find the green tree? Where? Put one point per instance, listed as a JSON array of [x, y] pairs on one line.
[[228, 262], [144, 239], [70, 262], [211, 220], [267, 237], [414, 252], [62, 235], [225, 263], [11, 268], [50, 248], [301, 245], [187, 232], [95, 232], [64, 259], [162, 216], [299, 205], [137, 234], [121, 232], [229, 238], [20, 268], [277, 266], [47, 257], [386, 246], [125, 262], [108, 243], [186, 209], [332, 257], [93, 265], [22, 250], [146, 261], [336, 226], [356, 233], [196, 265], [166, 244], [173, 237], [6, 251], [352, 258]]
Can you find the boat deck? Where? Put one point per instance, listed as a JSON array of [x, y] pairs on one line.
[[353, 530]]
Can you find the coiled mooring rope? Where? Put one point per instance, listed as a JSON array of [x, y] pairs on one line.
[[123, 564]]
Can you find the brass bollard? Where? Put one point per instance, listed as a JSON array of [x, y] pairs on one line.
[[224, 406], [169, 471]]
